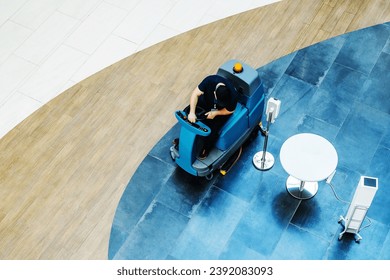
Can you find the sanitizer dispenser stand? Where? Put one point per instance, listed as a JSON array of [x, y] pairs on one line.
[[358, 208], [264, 160]]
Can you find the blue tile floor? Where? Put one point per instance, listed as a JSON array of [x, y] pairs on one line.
[[338, 89]]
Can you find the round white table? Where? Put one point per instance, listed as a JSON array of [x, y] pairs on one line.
[[307, 158]]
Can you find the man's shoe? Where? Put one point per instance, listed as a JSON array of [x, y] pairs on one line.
[[175, 142]]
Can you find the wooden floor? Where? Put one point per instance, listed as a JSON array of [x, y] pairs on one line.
[[63, 170]]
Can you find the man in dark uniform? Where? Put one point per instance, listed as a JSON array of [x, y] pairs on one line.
[[218, 97]]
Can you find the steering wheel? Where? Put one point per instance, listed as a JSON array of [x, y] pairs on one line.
[[196, 127], [200, 113]]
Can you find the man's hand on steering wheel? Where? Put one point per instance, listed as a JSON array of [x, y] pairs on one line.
[[192, 117], [211, 115]]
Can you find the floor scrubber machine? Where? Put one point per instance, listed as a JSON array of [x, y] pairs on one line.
[[243, 123]]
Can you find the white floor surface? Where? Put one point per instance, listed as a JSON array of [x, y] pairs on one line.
[[46, 46]]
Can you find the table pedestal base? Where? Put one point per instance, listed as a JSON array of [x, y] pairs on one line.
[[300, 189]]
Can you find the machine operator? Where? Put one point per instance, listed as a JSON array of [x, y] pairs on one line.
[[218, 97]]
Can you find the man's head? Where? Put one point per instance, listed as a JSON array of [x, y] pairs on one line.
[[222, 93]]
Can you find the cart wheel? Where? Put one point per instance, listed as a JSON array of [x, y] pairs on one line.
[[357, 240]]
